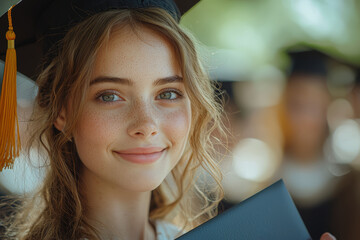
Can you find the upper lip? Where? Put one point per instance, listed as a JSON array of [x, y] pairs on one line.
[[141, 150]]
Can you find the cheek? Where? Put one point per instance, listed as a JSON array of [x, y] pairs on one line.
[[177, 126], [95, 131]]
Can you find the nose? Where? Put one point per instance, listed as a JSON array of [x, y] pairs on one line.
[[143, 122]]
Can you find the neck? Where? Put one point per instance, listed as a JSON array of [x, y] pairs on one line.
[[116, 213], [305, 155]]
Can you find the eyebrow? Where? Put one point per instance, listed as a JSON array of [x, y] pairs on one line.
[[125, 81], [166, 80], [104, 79]]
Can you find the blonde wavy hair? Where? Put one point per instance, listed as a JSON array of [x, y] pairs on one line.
[[56, 211]]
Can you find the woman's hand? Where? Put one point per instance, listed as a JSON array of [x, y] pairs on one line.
[[327, 236]]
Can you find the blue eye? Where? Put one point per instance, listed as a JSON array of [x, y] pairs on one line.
[[169, 95]]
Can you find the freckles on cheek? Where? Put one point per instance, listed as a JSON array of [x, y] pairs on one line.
[[95, 128], [178, 125]]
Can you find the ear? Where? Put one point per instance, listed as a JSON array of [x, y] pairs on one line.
[[60, 120]]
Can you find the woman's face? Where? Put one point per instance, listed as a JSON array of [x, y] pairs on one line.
[[137, 114]]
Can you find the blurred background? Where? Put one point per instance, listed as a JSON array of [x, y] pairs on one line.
[[290, 71]]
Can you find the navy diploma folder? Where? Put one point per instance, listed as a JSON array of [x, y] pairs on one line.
[[269, 214]]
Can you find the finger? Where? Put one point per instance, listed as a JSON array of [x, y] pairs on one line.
[[327, 236]]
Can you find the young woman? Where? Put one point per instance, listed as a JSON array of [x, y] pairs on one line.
[[125, 113]]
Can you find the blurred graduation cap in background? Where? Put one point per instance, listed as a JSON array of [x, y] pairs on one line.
[[357, 76], [39, 25], [307, 62]]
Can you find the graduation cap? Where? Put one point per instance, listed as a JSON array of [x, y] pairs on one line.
[[357, 76], [308, 62], [39, 25]]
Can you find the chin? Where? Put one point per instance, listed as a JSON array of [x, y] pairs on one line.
[[144, 184]]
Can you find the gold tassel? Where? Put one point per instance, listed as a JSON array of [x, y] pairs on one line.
[[9, 126]]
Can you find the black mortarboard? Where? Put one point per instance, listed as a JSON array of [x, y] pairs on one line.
[[39, 25], [309, 62]]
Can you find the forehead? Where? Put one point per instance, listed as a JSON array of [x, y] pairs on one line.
[[130, 52]]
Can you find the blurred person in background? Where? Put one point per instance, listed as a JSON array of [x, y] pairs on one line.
[[305, 168], [254, 158]]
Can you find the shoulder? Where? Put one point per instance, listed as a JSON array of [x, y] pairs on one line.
[[166, 230]]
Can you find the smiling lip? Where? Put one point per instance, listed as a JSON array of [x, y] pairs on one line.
[[141, 155]]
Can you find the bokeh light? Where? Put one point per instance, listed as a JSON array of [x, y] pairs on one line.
[[253, 160], [346, 141]]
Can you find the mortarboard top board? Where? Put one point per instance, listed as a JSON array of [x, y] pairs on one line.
[[269, 214], [36, 20], [308, 62]]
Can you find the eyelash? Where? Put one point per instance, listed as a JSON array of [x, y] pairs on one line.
[[107, 92]]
